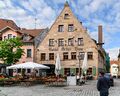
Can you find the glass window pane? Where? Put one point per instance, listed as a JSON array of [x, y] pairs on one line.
[[81, 54], [60, 42], [51, 42], [51, 56], [66, 16], [9, 36], [43, 56], [70, 28], [80, 41], [29, 52], [60, 28], [65, 56], [90, 55], [73, 55], [70, 42]]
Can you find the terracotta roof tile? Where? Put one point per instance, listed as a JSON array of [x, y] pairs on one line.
[[114, 62], [5, 22], [29, 41], [32, 32]]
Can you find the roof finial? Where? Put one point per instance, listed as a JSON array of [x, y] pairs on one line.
[[66, 3]]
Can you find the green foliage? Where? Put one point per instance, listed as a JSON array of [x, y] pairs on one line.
[[10, 50], [107, 62]]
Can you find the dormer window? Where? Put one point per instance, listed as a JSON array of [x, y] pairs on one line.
[[26, 37], [66, 16]]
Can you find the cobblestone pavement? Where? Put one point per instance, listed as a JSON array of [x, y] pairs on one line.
[[89, 89]]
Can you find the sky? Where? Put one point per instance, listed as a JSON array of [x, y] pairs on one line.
[[42, 14]]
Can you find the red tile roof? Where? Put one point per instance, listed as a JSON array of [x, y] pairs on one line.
[[29, 41], [5, 22], [114, 62], [32, 32]]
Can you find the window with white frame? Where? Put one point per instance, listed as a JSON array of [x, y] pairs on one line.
[[61, 42], [9, 36], [70, 28], [81, 54], [80, 42], [70, 42], [90, 55], [66, 16], [51, 42], [73, 55], [65, 55], [60, 28]]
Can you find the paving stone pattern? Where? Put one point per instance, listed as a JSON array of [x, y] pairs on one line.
[[89, 89]]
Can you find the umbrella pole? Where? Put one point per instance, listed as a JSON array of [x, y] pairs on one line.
[[21, 71], [57, 77]]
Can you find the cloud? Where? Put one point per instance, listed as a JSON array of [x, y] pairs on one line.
[[2, 4], [59, 1], [24, 13], [113, 53], [90, 12]]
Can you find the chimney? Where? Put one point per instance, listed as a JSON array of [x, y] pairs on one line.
[[100, 36]]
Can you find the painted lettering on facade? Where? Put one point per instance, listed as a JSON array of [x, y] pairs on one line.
[[53, 49]]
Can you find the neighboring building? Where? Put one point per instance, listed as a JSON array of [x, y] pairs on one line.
[[114, 70], [8, 29], [69, 38], [115, 66], [119, 64], [5, 22]]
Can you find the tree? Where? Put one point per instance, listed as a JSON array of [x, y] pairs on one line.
[[11, 51], [107, 62]]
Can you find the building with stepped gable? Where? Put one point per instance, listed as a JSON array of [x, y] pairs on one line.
[[68, 37]]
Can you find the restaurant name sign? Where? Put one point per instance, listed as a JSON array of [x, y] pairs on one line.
[[65, 49]]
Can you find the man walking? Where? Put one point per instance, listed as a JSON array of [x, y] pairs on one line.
[[103, 85]]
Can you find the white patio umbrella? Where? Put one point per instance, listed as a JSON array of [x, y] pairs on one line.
[[57, 65], [85, 63], [30, 65]]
